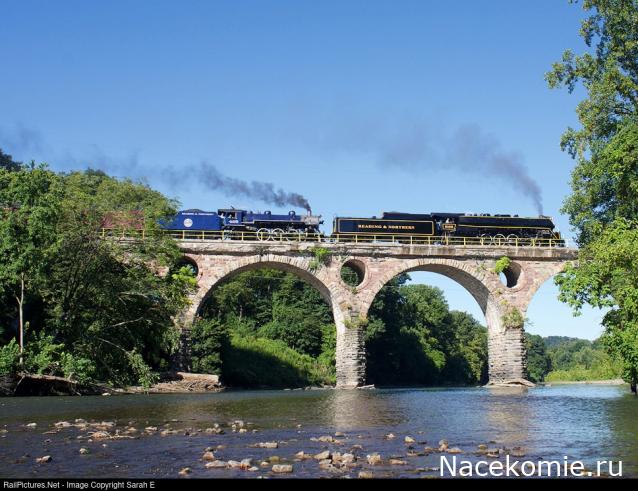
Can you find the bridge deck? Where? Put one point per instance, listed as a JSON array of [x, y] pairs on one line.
[[232, 247]]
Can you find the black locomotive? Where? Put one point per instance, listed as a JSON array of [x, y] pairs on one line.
[[482, 228]]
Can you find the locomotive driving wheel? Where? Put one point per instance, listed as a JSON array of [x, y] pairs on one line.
[[263, 234], [500, 239], [279, 235]]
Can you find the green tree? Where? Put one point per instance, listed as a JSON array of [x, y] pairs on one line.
[[30, 200], [539, 363], [603, 206]]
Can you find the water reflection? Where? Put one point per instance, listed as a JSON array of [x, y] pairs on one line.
[[362, 409]]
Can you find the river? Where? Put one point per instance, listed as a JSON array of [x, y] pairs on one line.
[[579, 422]]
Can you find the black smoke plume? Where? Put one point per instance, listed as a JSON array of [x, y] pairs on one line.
[[266, 192], [419, 147]]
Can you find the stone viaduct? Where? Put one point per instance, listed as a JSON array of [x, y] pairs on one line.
[[473, 267]]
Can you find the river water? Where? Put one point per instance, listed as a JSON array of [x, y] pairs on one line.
[[579, 422]]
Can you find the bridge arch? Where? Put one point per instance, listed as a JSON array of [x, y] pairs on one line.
[[210, 277], [506, 351]]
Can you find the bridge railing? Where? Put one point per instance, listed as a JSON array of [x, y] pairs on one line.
[[382, 239]]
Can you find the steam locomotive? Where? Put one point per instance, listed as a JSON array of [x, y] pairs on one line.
[[488, 227], [231, 221], [393, 226]]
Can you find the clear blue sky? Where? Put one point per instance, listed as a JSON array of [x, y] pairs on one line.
[[315, 97]]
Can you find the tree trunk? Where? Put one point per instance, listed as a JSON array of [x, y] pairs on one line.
[[20, 300]]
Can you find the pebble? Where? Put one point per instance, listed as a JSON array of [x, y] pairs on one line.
[[267, 445], [216, 464], [209, 456], [348, 458], [455, 450], [409, 439], [373, 458], [282, 469], [390, 436], [31, 425], [366, 475], [398, 462], [323, 455], [43, 460], [100, 435], [84, 451], [185, 471], [443, 444]]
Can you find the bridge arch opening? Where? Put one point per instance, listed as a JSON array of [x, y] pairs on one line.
[[275, 327], [189, 263], [511, 275], [414, 337], [353, 272]]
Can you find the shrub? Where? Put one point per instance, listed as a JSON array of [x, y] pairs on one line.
[[9, 358], [502, 264]]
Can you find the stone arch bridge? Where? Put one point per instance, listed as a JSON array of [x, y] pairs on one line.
[[473, 267]]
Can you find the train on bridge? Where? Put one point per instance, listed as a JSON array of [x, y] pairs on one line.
[[431, 228]]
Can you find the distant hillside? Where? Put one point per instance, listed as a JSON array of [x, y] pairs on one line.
[[562, 358]]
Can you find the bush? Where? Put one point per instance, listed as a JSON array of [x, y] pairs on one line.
[[76, 368], [9, 358]]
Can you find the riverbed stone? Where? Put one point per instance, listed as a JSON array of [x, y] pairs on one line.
[[323, 455], [216, 464], [373, 458], [282, 468], [398, 462], [44, 459], [209, 456], [267, 445]]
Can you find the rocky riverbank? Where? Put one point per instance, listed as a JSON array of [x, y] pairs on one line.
[[28, 384], [230, 449]]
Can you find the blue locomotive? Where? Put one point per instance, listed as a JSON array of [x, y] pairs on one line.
[[261, 226]]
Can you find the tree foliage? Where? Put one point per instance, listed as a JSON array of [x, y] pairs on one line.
[[603, 206], [93, 308]]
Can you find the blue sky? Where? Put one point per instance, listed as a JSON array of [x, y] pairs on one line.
[[316, 97]]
